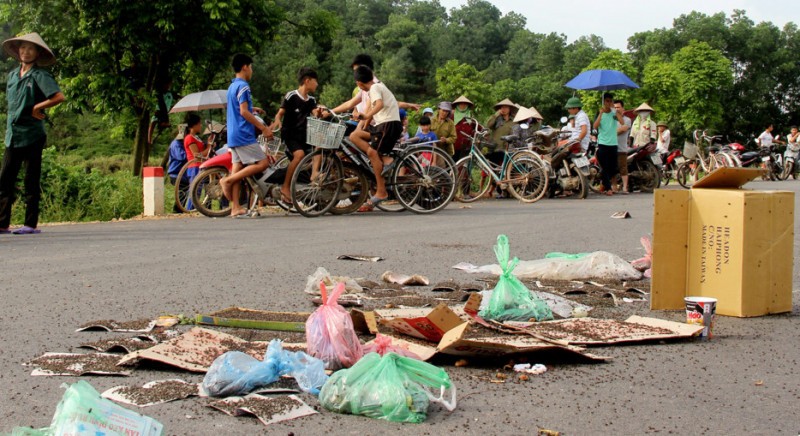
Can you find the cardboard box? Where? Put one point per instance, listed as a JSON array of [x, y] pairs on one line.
[[721, 241]]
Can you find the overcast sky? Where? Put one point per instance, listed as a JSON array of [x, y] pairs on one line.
[[615, 21]]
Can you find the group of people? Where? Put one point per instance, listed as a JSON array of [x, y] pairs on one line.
[[616, 134]]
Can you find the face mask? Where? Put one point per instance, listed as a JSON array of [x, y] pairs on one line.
[[644, 114]]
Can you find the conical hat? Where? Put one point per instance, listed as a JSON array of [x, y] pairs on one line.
[[463, 99], [524, 113], [643, 107], [505, 102], [46, 56]]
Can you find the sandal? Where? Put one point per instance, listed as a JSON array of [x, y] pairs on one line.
[[25, 230], [370, 205]]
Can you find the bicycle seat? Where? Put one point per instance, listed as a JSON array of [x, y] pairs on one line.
[[714, 148]]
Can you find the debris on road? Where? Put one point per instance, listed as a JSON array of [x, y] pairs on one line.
[[255, 319], [123, 345], [405, 280], [152, 393], [360, 257], [621, 214], [109, 325], [527, 368], [596, 265], [268, 410], [322, 275], [330, 335], [77, 364]]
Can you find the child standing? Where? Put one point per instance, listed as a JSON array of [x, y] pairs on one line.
[[425, 135], [295, 109]]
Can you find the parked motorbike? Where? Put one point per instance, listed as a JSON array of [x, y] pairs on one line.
[[568, 169], [669, 169], [790, 157], [643, 173]]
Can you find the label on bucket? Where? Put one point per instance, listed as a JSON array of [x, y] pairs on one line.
[[701, 311]]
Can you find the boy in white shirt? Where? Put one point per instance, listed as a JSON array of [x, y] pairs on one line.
[[381, 137]]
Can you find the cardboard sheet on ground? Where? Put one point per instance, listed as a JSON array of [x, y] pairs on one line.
[[119, 345], [77, 364], [448, 332], [268, 410], [109, 325], [592, 331], [597, 265], [151, 393], [360, 257], [196, 349], [405, 280]]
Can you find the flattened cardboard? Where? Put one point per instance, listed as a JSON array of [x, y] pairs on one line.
[[75, 364], [731, 244], [118, 395], [430, 325], [195, 350], [225, 406], [213, 319], [677, 330]]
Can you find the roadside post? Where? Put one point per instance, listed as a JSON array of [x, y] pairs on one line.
[[153, 189]]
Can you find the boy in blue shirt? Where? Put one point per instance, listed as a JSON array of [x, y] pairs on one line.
[[248, 157]]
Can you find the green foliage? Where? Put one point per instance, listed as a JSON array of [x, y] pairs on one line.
[[703, 75], [609, 60], [455, 79]]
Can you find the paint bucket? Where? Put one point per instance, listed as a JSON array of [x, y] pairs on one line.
[[701, 311]]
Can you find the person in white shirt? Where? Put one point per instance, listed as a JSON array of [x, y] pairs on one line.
[[581, 132], [664, 138], [766, 139]]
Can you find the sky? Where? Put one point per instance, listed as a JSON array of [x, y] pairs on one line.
[[615, 21]]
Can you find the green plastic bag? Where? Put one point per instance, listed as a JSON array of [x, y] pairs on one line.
[[392, 387], [82, 411], [511, 300]]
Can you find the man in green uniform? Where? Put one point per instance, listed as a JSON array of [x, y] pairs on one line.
[[29, 92]]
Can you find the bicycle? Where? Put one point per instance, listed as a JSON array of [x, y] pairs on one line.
[[698, 166], [522, 173], [420, 177]]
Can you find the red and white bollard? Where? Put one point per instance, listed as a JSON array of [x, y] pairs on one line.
[[153, 188]]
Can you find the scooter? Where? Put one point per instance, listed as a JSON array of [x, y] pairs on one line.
[[568, 168]]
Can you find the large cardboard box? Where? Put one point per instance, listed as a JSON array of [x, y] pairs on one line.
[[719, 240]]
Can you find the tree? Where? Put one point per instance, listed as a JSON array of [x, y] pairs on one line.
[[116, 55], [703, 76], [608, 60], [455, 79]]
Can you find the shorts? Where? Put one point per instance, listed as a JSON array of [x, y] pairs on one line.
[[247, 154], [383, 137], [622, 163], [294, 144]]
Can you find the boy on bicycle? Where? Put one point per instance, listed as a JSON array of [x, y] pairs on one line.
[[248, 157], [295, 109], [380, 138]]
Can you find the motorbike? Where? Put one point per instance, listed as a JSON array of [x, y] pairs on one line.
[[669, 169], [643, 173], [789, 161], [568, 169], [206, 191]]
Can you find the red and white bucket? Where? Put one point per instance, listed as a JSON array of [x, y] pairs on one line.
[[701, 311]]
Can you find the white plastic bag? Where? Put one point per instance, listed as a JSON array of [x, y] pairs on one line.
[[597, 265], [322, 275]]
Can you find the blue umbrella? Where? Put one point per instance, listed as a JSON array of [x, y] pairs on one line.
[[601, 80]]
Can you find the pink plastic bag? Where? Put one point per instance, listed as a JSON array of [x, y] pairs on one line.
[[644, 263], [330, 336], [383, 344]]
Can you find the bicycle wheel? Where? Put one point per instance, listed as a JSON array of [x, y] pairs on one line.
[[315, 192], [472, 181], [788, 169], [354, 191], [526, 176], [686, 175], [182, 196], [422, 186], [206, 193]]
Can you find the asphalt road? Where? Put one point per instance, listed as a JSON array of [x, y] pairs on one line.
[[744, 381]]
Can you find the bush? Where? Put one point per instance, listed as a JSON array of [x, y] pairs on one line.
[[83, 193]]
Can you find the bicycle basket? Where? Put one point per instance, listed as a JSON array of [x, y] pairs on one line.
[[270, 146], [324, 134], [689, 150]]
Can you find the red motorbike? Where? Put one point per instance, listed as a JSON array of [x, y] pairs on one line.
[[643, 172], [669, 169]]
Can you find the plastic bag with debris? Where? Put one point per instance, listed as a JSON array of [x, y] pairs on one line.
[[236, 373], [83, 411], [330, 335], [392, 387], [511, 300], [322, 275], [597, 265]]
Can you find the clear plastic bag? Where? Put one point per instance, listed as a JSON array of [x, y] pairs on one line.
[[392, 388], [236, 373], [383, 345], [330, 335], [511, 300], [83, 411]]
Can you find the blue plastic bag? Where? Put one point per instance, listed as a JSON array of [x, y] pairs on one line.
[[236, 373]]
